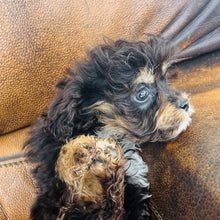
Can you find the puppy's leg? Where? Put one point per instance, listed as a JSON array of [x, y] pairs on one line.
[[136, 203], [137, 186]]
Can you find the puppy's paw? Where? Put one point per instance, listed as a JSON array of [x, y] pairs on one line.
[[86, 163], [88, 154]]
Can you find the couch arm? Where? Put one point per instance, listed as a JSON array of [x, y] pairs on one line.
[[17, 190]]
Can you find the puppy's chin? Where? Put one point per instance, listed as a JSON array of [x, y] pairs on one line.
[[167, 130], [173, 133]]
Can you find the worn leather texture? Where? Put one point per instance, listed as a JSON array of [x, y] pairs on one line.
[[17, 190], [12, 143], [39, 40]]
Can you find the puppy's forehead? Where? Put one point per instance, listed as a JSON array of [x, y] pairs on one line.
[[145, 75]]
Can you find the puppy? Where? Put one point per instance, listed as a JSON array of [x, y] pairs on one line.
[[120, 91]]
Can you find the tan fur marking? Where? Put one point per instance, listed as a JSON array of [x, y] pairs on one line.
[[169, 117], [103, 107], [173, 120], [113, 124], [145, 76]]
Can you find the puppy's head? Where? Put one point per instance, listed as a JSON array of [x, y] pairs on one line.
[[138, 102], [92, 169], [122, 91]]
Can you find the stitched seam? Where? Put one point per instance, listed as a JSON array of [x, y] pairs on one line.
[[4, 212], [12, 162]]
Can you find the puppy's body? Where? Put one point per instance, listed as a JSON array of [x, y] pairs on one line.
[[121, 91]]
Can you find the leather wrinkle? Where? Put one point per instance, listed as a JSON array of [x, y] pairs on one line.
[[204, 22], [185, 15], [203, 45], [4, 212]]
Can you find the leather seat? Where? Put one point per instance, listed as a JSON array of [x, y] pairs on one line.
[[41, 39]]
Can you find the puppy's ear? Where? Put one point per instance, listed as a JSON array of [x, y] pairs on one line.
[[68, 114]]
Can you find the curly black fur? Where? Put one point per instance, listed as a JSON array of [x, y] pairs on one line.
[[98, 98]]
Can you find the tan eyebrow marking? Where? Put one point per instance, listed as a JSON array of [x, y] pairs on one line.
[[145, 76]]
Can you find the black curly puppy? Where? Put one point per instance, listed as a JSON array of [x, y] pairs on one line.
[[120, 91]]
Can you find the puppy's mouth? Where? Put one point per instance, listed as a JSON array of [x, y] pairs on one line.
[[172, 121]]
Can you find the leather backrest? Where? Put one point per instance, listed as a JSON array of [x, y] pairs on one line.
[[41, 39]]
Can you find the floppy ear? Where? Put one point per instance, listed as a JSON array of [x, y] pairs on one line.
[[68, 115]]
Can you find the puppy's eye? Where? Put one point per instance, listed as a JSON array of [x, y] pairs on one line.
[[142, 94]]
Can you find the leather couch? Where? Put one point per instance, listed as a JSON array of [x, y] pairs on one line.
[[40, 39]]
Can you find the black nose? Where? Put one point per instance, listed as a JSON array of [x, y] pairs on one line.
[[184, 104]]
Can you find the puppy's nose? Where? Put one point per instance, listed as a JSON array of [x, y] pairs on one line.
[[184, 104]]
